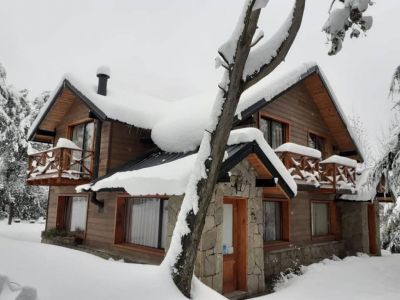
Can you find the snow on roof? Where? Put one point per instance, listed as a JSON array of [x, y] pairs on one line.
[[171, 178], [121, 103], [298, 149], [340, 160], [178, 126]]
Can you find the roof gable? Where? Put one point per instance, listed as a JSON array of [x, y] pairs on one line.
[[324, 99]]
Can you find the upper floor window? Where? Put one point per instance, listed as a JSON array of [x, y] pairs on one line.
[[316, 142], [274, 131], [83, 136]]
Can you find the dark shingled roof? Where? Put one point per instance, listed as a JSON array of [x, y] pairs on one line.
[[236, 153]]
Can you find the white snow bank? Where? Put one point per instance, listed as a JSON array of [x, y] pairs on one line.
[[299, 149], [64, 274], [172, 178], [10, 290], [22, 231], [340, 160], [353, 278]]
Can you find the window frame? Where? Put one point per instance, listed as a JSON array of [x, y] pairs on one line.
[[62, 212], [273, 118], [80, 122], [71, 132], [120, 227], [332, 219], [284, 242], [321, 137]]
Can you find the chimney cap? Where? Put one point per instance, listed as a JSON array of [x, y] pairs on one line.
[[103, 71]]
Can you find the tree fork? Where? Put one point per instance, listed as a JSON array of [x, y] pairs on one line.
[[184, 266]]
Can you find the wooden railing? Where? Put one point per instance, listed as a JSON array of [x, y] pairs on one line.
[[339, 176], [310, 171], [60, 166]]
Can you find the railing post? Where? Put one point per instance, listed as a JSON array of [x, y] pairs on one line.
[[61, 162], [334, 176]]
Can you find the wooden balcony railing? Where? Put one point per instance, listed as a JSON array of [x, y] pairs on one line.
[[60, 166], [335, 173]]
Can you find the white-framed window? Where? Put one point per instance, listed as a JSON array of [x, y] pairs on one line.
[[146, 222]]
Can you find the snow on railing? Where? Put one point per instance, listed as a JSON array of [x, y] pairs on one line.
[[306, 167], [65, 161]]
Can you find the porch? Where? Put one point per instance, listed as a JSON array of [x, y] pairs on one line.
[[60, 166]]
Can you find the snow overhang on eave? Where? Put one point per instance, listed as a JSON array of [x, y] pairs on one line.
[[241, 152], [65, 83]]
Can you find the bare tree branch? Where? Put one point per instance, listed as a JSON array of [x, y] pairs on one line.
[[282, 50], [258, 38]]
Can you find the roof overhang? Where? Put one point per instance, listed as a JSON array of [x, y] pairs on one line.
[[322, 94], [237, 153], [39, 134]]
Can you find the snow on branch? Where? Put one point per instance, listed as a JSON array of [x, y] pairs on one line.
[[349, 16], [264, 53], [228, 49], [265, 58]]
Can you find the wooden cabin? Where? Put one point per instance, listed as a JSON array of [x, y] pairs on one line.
[[271, 210]]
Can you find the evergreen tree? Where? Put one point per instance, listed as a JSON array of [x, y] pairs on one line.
[[16, 115]]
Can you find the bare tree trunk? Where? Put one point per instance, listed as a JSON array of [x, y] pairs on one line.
[[184, 265]]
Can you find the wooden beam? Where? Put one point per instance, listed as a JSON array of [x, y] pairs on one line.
[[266, 182], [46, 132], [349, 153]]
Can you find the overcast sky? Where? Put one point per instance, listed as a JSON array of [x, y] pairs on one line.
[[166, 48]]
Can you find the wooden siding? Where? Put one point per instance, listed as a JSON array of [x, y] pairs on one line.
[[300, 217], [297, 108], [125, 144], [329, 113]]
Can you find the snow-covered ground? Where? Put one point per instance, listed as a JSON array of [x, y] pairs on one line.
[[59, 274], [23, 231]]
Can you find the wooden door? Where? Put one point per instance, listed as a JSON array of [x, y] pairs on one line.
[[373, 246], [234, 244]]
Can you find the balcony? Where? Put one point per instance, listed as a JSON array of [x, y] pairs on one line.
[[335, 174], [61, 165]]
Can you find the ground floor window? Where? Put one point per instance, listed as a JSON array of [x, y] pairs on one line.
[[77, 212], [146, 221], [276, 222], [72, 213], [321, 218]]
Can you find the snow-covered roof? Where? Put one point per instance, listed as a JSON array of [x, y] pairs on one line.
[[165, 173], [177, 126]]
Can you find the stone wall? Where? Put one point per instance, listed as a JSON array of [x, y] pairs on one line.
[[278, 261], [354, 226], [209, 264]]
